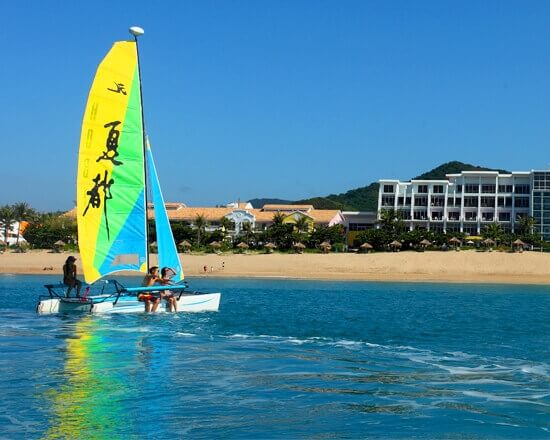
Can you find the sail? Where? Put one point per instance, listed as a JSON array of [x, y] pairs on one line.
[[167, 252], [111, 211]]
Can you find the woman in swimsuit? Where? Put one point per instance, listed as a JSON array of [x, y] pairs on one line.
[[166, 279]]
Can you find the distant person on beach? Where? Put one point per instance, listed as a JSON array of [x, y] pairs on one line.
[[205, 268], [69, 276], [148, 297], [166, 279]]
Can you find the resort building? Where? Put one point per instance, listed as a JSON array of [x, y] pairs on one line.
[[239, 214], [468, 201], [356, 222], [13, 230]]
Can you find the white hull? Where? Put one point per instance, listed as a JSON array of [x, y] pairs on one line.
[[203, 302]]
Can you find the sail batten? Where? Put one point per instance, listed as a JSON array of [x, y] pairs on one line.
[[111, 210]]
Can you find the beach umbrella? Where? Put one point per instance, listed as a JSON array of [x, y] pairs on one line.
[[470, 242], [518, 244], [489, 242], [425, 242], [185, 244], [270, 246], [242, 245], [299, 247], [454, 240], [325, 246], [396, 244], [215, 245], [59, 243], [366, 246]]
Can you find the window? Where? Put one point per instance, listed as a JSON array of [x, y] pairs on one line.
[[388, 189], [521, 202], [503, 216], [438, 201], [454, 216], [359, 226], [487, 217], [470, 216], [420, 215], [423, 189], [436, 228], [505, 201], [450, 201], [488, 188], [505, 188], [388, 200], [459, 188], [470, 230], [522, 189], [405, 214], [420, 201], [438, 189], [488, 202], [470, 202], [471, 189], [438, 215]]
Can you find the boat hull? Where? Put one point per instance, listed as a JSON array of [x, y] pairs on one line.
[[105, 304]]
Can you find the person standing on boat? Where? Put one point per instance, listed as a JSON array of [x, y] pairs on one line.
[[147, 297], [69, 276], [166, 279]]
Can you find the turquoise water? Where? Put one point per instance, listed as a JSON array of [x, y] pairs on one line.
[[283, 359]]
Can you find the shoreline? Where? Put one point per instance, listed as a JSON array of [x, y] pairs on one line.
[[431, 266]]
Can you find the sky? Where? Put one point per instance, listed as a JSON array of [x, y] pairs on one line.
[[288, 99]]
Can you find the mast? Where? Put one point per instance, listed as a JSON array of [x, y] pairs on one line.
[[136, 31]]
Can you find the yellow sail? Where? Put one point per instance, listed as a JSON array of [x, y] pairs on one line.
[[111, 210]]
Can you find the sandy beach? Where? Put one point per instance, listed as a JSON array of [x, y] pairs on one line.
[[463, 266]]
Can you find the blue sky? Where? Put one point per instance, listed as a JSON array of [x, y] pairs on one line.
[[288, 99]]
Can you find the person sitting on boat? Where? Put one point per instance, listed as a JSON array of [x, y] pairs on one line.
[[69, 277], [148, 297], [166, 279]]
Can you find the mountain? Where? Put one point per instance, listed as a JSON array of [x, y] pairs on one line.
[[366, 197]]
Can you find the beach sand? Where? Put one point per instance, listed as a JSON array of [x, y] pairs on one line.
[[451, 266]]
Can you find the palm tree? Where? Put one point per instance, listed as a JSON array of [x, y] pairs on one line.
[[200, 224], [493, 231], [526, 225], [7, 219], [278, 218], [302, 225], [22, 212]]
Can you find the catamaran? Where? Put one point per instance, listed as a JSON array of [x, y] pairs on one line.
[[116, 173]]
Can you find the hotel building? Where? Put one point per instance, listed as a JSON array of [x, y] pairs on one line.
[[468, 201]]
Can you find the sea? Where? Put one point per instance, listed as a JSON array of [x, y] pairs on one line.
[[283, 359]]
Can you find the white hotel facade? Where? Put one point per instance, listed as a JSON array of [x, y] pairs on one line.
[[468, 201]]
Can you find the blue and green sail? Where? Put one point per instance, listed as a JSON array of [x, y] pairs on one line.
[[111, 211], [167, 252]]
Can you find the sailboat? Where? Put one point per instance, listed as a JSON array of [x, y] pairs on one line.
[[116, 177]]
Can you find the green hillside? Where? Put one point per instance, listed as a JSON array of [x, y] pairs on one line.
[[366, 198]]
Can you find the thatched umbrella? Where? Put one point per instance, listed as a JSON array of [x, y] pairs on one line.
[[58, 245], [489, 242], [270, 246], [395, 245], [242, 245], [215, 245], [425, 242], [519, 245], [185, 245], [454, 240], [366, 247], [325, 246], [299, 247]]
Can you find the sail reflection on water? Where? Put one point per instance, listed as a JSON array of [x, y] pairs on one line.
[[88, 402]]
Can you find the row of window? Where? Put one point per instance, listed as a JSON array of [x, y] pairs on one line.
[[474, 188], [469, 201], [455, 216]]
